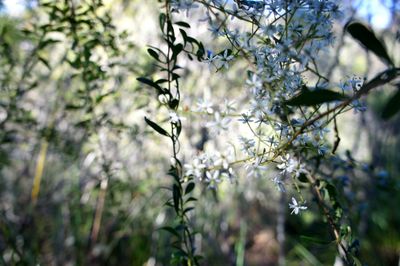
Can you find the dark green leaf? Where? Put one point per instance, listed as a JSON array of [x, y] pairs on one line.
[[191, 199], [171, 230], [175, 76], [368, 39], [45, 62], [153, 54], [150, 83], [200, 52], [178, 128], [303, 178], [162, 20], [331, 191], [392, 106], [188, 209], [184, 36], [176, 193], [182, 24], [380, 79], [161, 81], [176, 50], [47, 42], [156, 127], [309, 98], [173, 171], [189, 188], [173, 104]]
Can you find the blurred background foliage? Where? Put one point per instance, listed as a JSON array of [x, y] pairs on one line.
[[81, 176]]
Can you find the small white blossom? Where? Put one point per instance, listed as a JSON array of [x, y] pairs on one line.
[[219, 124], [296, 206], [175, 118], [291, 166], [256, 169], [224, 59], [195, 168], [213, 179], [228, 107], [203, 105]]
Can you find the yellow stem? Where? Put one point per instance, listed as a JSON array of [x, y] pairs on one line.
[[39, 170]]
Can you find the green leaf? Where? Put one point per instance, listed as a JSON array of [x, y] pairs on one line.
[[393, 105], [45, 62], [173, 104], [189, 188], [173, 171], [184, 35], [162, 18], [153, 54], [156, 127], [309, 98], [182, 24], [200, 52], [176, 49], [171, 230], [380, 79], [191, 199], [331, 191], [188, 209], [368, 39], [303, 178], [47, 42], [176, 193], [150, 83]]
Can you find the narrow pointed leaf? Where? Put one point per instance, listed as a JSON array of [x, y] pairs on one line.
[[150, 83], [171, 230], [153, 54], [176, 193], [182, 24], [380, 79], [392, 106], [156, 127], [369, 40], [310, 98], [189, 188]]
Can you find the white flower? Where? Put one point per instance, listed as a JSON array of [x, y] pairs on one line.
[[225, 58], [195, 168], [296, 206], [260, 108], [203, 105], [256, 169], [175, 118], [213, 179], [223, 159], [210, 57], [229, 106], [291, 166], [219, 123], [288, 164], [254, 82]]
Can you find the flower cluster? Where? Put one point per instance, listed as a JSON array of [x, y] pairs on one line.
[[280, 49]]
